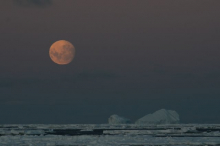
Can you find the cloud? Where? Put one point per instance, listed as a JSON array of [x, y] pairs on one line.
[[12, 82], [97, 74], [5, 83], [33, 3], [82, 76]]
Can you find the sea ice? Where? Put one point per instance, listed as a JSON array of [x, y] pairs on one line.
[[113, 135], [162, 116]]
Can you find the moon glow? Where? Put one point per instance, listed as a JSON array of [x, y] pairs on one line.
[[62, 52]]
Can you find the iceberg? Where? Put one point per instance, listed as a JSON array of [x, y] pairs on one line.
[[162, 116], [115, 119]]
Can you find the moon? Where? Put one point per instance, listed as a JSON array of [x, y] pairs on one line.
[[62, 52]]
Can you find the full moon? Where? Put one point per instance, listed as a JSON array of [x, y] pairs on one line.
[[62, 52]]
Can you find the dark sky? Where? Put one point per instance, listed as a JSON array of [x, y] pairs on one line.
[[133, 57]]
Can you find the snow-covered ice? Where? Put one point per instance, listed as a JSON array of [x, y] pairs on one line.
[[162, 116], [111, 135], [107, 140]]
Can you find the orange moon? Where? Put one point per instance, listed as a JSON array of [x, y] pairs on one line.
[[62, 52]]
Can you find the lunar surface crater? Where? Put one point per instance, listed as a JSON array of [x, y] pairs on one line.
[[62, 52]]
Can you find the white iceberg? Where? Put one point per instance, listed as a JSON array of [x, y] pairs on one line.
[[162, 116], [115, 119]]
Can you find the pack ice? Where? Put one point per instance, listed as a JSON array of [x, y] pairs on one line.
[[162, 116], [115, 119]]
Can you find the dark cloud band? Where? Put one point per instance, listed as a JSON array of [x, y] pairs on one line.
[[33, 3]]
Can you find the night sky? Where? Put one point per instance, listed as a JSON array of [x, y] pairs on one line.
[[133, 57]]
